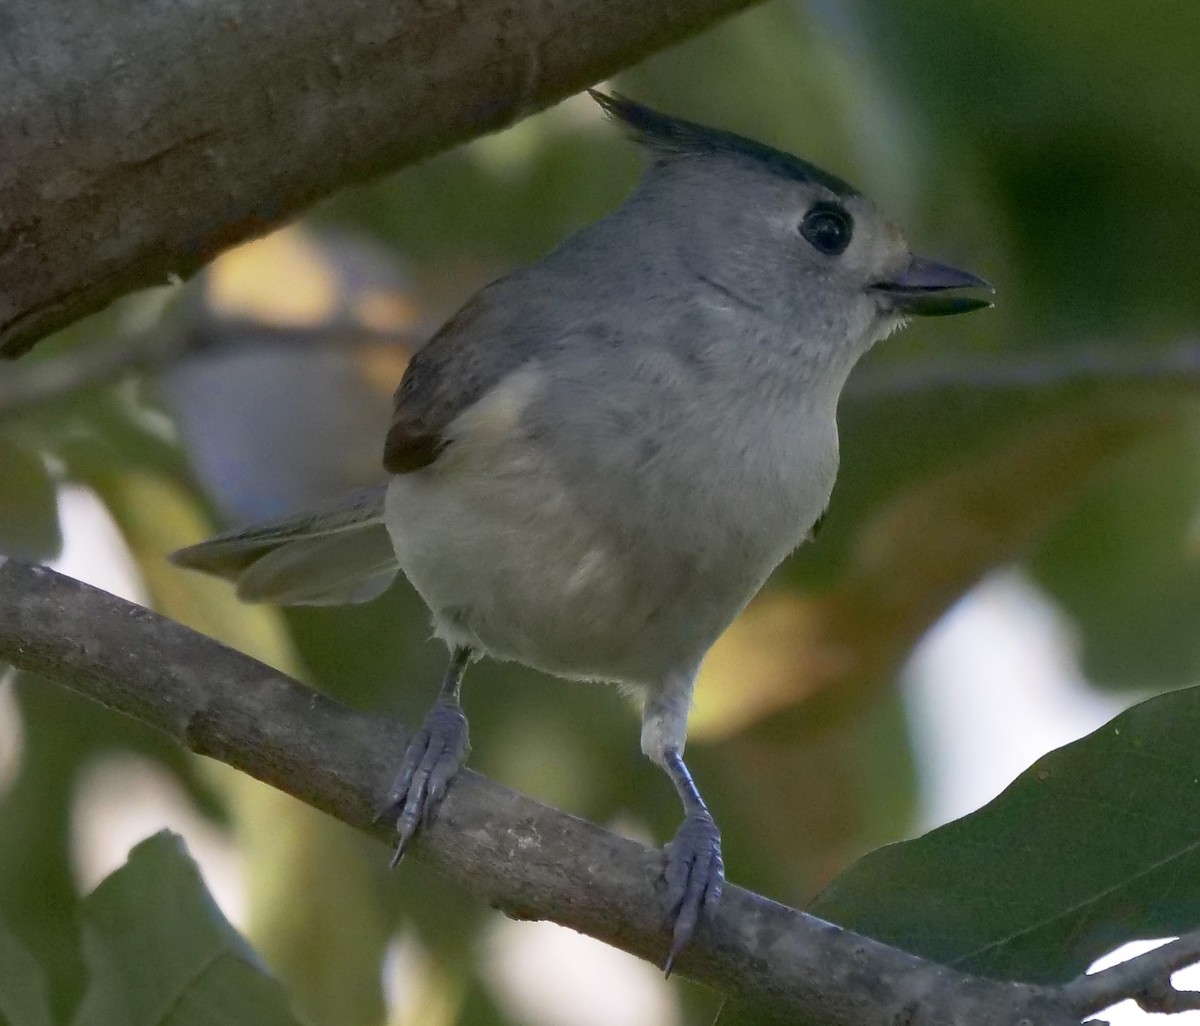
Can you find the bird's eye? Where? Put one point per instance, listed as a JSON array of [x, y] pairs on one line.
[[827, 227]]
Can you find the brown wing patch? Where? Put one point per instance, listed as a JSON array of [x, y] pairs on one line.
[[409, 448], [450, 373]]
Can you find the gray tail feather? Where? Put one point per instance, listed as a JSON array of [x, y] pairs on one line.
[[332, 556]]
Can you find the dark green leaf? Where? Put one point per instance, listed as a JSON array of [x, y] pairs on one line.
[[1096, 844], [28, 505], [24, 1000], [1071, 125], [1126, 565]]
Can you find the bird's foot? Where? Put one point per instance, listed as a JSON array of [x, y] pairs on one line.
[[695, 875], [434, 755]]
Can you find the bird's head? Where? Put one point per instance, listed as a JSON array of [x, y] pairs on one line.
[[780, 235]]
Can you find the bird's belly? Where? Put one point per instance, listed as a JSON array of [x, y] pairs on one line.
[[510, 565], [614, 564]]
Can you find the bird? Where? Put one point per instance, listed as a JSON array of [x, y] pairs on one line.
[[597, 462]]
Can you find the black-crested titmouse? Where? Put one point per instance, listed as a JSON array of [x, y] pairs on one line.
[[599, 460]]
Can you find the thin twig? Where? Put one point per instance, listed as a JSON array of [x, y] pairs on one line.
[[27, 385], [31, 384], [1146, 978], [1020, 370]]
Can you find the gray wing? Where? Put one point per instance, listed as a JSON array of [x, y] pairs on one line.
[[473, 351], [342, 553], [331, 556]]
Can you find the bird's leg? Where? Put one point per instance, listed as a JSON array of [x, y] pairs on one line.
[[695, 872], [433, 757]]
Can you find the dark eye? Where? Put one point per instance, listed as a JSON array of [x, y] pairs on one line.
[[827, 227]]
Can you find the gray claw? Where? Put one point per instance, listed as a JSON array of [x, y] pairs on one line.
[[695, 875], [433, 757]]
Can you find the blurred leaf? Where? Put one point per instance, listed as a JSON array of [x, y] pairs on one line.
[[1068, 129], [480, 208], [303, 409], [28, 505], [801, 793], [24, 1000], [885, 575], [1095, 844], [316, 908], [795, 72], [328, 947], [1003, 443], [984, 507], [768, 659], [106, 431], [283, 278], [159, 952], [156, 516], [1126, 565], [62, 733]]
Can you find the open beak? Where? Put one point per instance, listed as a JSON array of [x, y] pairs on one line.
[[926, 288]]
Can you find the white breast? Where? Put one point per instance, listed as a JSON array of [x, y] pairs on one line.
[[603, 566]]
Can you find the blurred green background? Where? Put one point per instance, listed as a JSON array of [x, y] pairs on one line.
[[1053, 147]]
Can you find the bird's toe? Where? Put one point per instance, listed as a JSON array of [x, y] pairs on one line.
[[433, 757], [695, 876]]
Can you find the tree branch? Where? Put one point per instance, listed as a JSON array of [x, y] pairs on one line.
[[26, 386], [1175, 365], [528, 860], [139, 139], [1146, 979]]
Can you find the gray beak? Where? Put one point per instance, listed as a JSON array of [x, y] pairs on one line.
[[926, 288]]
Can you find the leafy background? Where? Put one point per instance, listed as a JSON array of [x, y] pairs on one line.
[[1051, 146]]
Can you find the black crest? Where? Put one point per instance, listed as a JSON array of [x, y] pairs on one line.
[[674, 137]]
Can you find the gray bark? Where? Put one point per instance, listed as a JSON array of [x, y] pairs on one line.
[[138, 138]]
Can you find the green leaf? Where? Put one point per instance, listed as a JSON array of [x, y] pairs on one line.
[[1096, 844], [1086, 253], [24, 1000], [1126, 565], [159, 952], [28, 505]]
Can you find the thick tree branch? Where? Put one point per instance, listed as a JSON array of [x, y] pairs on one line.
[[524, 858], [139, 139]]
